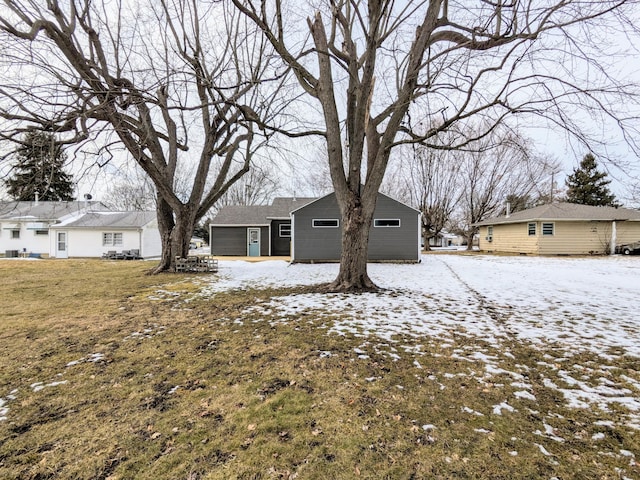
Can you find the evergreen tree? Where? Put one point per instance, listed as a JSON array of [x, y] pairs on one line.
[[40, 169], [588, 186]]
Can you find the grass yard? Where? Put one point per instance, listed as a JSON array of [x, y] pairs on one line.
[[111, 374]]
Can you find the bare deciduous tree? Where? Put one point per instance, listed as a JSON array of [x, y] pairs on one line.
[[366, 63], [178, 83], [429, 180], [257, 187], [499, 167]]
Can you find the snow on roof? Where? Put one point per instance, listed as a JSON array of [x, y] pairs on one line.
[[566, 211], [44, 210], [135, 219]]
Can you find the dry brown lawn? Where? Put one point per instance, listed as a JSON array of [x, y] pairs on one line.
[[108, 373]]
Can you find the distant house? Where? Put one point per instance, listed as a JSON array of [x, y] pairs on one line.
[[92, 234], [25, 226], [254, 230], [317, 231], [310, 229], [560, 229]]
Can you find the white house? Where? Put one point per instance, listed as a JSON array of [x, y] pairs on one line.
[[92, 234], [24, 226]]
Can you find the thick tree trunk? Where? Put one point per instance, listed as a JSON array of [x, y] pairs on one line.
[[175, 234], [353, 276], [166, 225], [470, 241]]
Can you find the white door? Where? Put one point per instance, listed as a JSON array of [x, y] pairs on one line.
[[61, 245]]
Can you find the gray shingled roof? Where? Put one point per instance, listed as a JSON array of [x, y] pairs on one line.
[[566, 212], [44, 210], [254, 215], [110, 220]]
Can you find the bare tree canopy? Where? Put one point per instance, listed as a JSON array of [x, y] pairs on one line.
[[367, 65], [502, 167], [179, 83]]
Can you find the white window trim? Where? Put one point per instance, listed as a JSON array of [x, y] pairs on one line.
[[110, 239], [535, 229], [553, 229], [313, 222], [377, 220], [288, 225]]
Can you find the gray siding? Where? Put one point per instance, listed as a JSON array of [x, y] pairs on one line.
[[228, 241], [385, 243], [264, 242], [280, 246], [394, 243], [321, 244], [234, 241]]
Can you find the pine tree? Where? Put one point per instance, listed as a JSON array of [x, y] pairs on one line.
[[39, 170], [588, 186]]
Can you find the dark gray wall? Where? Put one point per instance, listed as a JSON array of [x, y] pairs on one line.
[[385, 243], [228, 241], [264, 241], [233, 241], [279, 245], [322, 244]]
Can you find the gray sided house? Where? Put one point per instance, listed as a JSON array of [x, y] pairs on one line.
[[254, 230], [317, 231]]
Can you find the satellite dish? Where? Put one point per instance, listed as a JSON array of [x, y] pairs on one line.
[[87, 196]]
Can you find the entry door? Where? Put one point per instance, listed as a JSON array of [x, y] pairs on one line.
[[61, 245], [254, 242]]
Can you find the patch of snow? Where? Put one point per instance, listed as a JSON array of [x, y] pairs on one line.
[[543, 450], [497, 409], [525, 394]]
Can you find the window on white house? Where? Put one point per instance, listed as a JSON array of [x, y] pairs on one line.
[[15, 233], [325, 223], [42, 232], [547, 229], [285, 229], [111, 239], [386, 222], [531, 228], [490, 231]]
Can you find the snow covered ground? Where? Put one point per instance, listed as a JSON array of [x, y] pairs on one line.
[[579, 303], [562, 306]]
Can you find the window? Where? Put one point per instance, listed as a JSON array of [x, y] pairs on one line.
[[325, 223], [15, 233], [42, 232], [285, 229], [489, 237], [111, 239], [386, 222], [547, 229], [531, 228]]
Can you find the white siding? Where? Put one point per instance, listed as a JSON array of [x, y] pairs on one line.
[[88, 242], [28, 241]]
